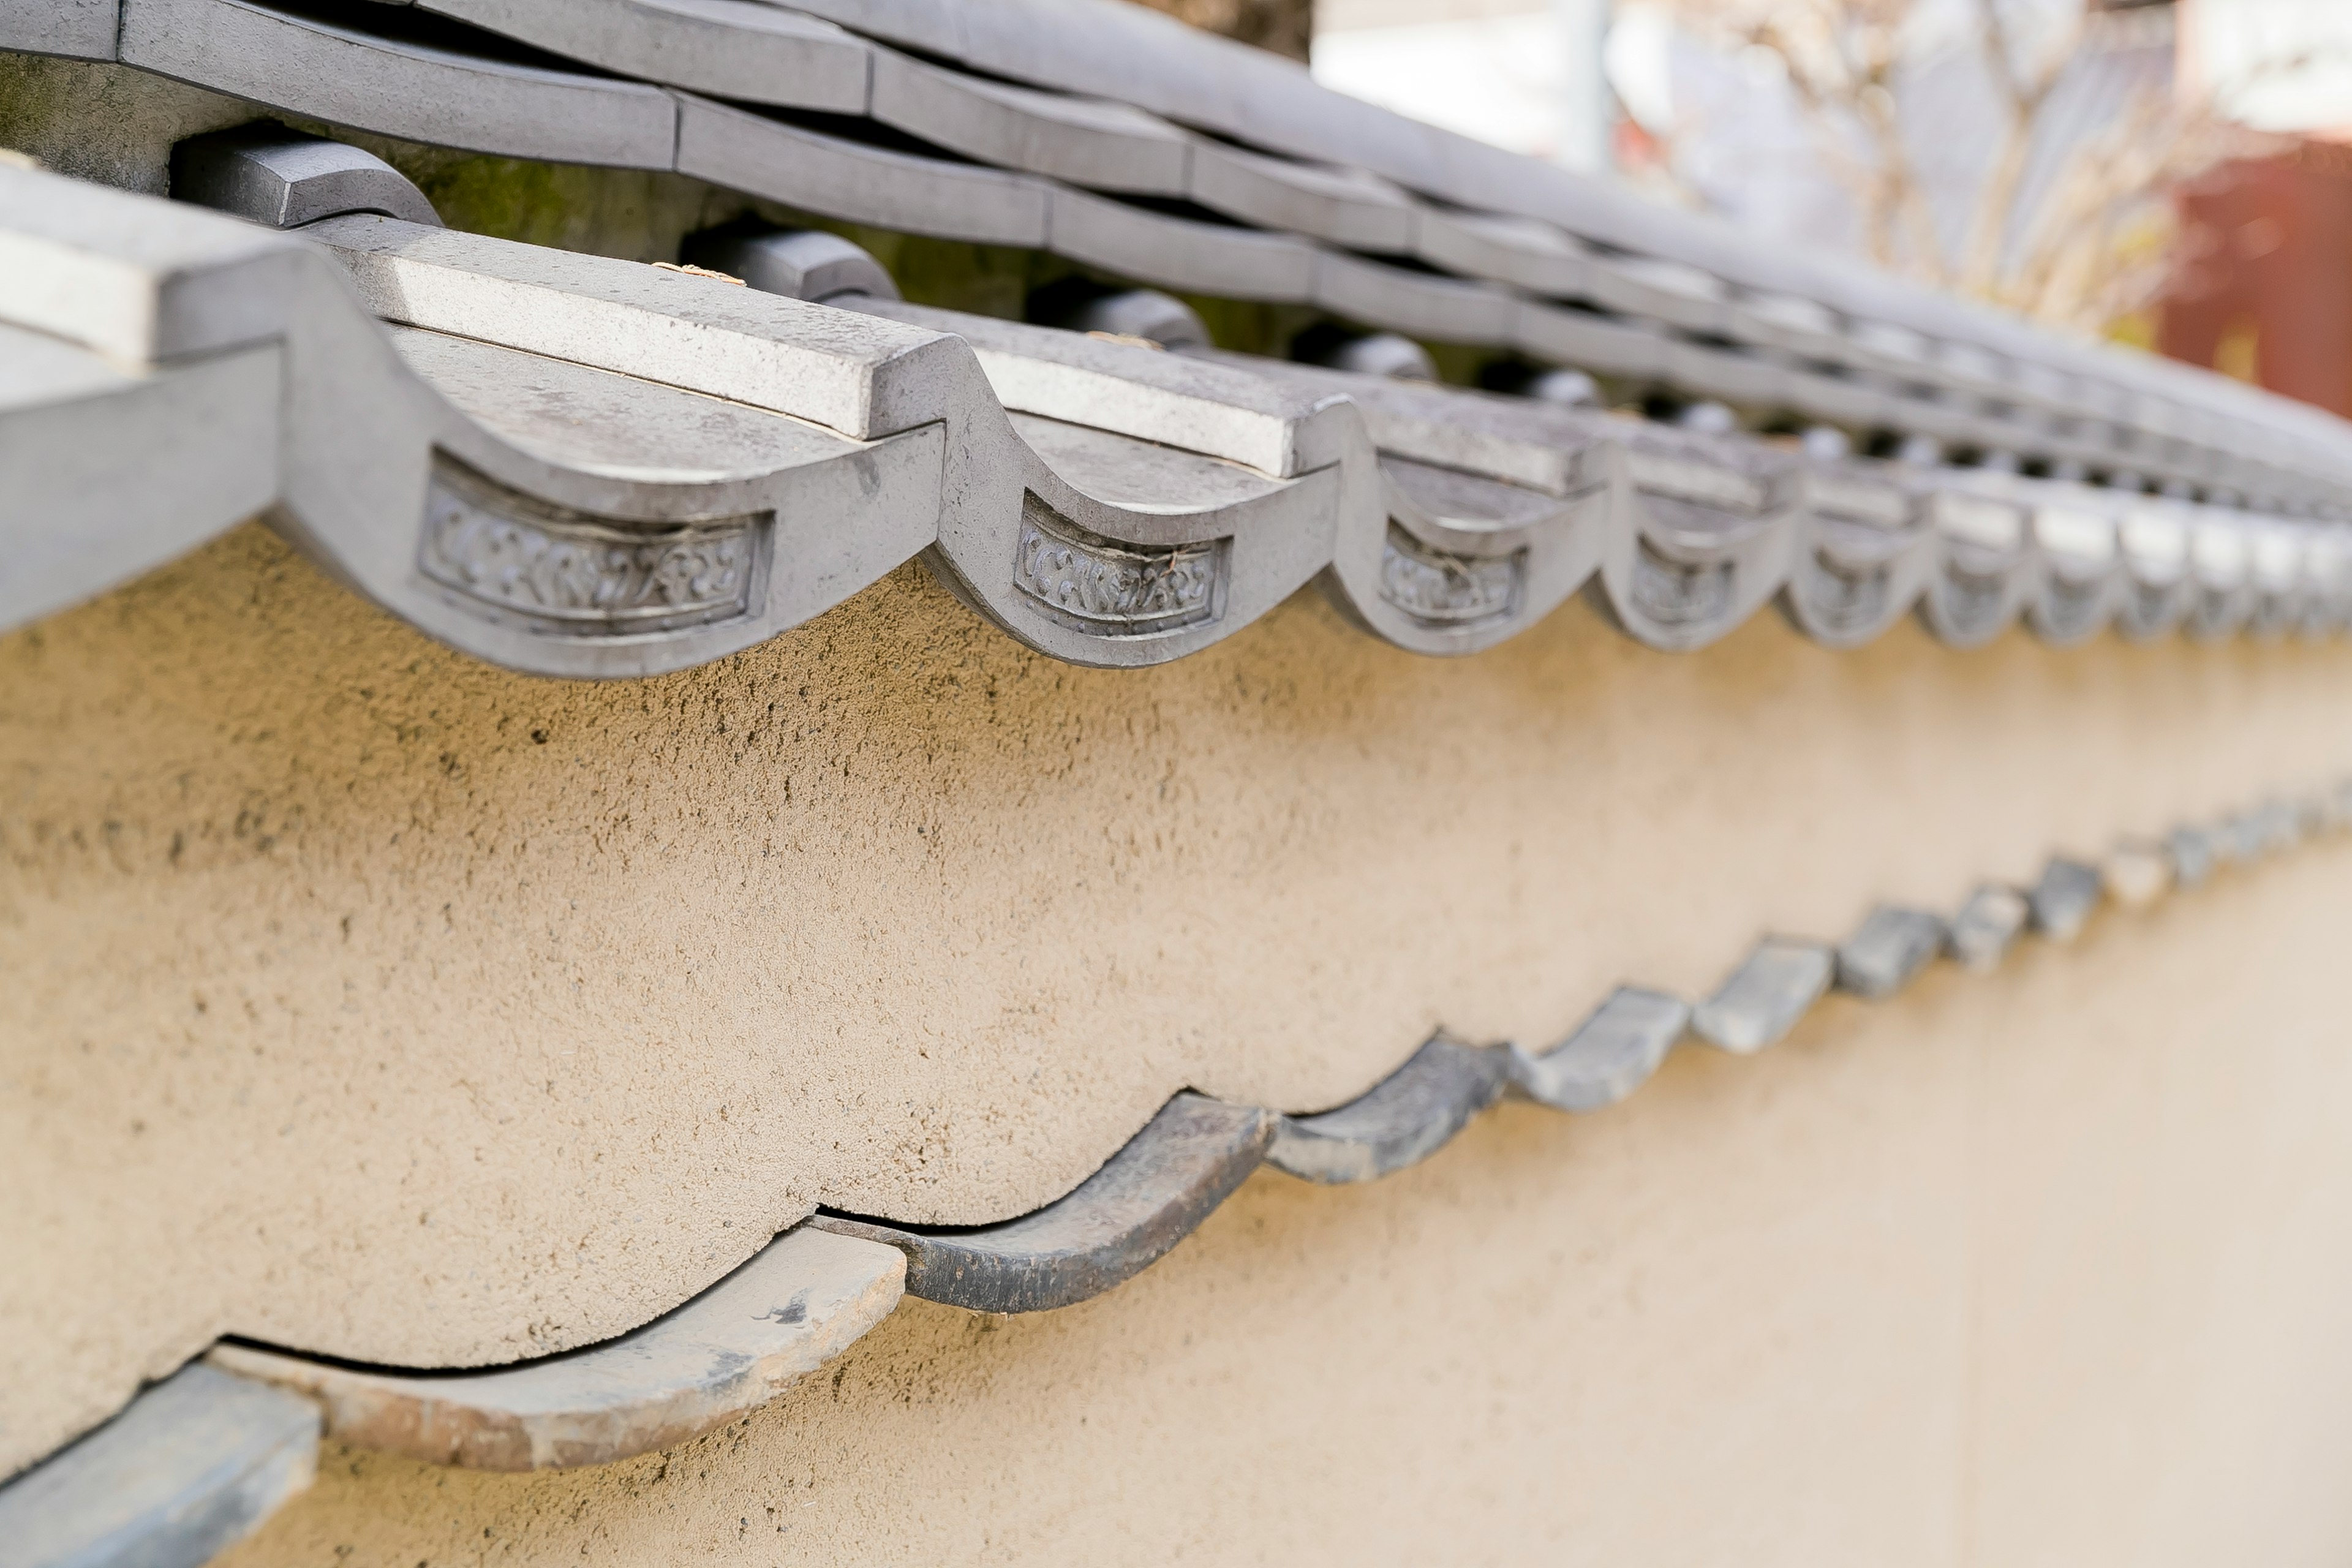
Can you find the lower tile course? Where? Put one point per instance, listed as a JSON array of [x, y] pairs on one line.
[[1882, 1288]]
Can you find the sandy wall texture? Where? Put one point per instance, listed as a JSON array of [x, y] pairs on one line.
[[368, 1000], [2032, 1271]]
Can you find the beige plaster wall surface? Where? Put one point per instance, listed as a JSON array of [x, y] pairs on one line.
[[368, 1000], [2036, 1270]]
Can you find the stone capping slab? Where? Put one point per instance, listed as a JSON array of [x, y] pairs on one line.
[[1673, 282], [1400, 1121], [186, 1469], [143, 282], [1221, 407], [686, 1372], [799, 1301], [1152, 1193], [859, 377]]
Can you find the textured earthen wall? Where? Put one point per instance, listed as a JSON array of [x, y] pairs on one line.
[[368, 1000], [2031, 1271]]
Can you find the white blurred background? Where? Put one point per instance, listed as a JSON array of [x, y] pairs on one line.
[[2178, 175]]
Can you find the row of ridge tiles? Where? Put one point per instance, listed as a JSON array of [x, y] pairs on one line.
[[2060, 553], [2078, 402]]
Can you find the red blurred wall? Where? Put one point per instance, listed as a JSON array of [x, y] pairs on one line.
[[2263, 288]]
